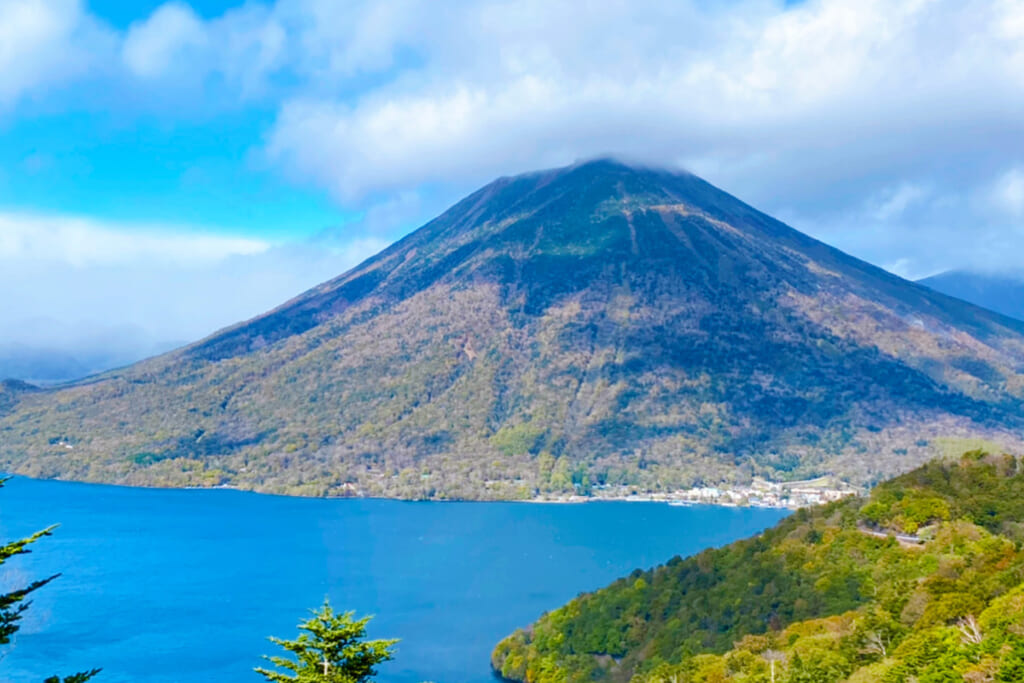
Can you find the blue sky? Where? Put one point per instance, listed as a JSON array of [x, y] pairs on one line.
[[194, 174], [167, 168], [122, 13]]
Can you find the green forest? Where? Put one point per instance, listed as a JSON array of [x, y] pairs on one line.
[[922, 580]]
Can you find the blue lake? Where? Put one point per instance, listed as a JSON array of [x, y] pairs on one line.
[[179, 586]]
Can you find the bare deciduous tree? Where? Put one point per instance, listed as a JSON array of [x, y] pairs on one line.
[[970, 631]]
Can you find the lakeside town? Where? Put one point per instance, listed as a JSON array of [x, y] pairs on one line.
[[761, 493]]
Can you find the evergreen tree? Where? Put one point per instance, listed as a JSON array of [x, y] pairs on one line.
[[77, 678], [333, 649], [14, 603]]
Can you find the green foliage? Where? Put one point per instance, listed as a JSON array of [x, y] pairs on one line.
[[14, 603], [76, 678], [333, 649], [822, 597], [149, 458], [518, 439], [907, 514], [1012, 667], [985, 489]]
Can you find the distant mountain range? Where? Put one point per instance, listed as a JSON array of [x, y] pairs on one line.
[[53, 366], [48, 351], [1002, 293], [599, 325], [43, 366]]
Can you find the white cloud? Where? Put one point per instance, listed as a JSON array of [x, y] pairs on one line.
[[893, 202], [872, 124], [240, 51], [505, 87], [93, 289], [1008, 192], [915, 230], [151, 47], [46, 42], [76, 241], [386, 95], [333, 39]]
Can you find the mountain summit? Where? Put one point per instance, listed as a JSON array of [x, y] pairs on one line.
[[592, 325]]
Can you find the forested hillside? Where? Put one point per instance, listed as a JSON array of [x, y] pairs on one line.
[[923, 580], [596, 325]]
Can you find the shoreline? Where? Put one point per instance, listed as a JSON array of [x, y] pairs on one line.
[[727, 498]]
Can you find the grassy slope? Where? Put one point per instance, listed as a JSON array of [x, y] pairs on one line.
[[818, 593]]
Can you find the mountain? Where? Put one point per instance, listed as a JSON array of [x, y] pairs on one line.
[[41, 366], [921, 581], [1001, 293], [52, 366], [597, 327], [77, 356]]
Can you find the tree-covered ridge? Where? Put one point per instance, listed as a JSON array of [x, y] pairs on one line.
[[924, 578]]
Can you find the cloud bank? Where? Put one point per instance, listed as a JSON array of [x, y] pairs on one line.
[[77, 241], [872, 124], [817, 111], [76, 286]]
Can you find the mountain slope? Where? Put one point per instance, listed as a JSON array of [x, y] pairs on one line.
[[594, 325], [1001, 293], [923, 580]]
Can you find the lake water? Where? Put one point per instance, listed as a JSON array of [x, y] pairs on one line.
[[176, 586]]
